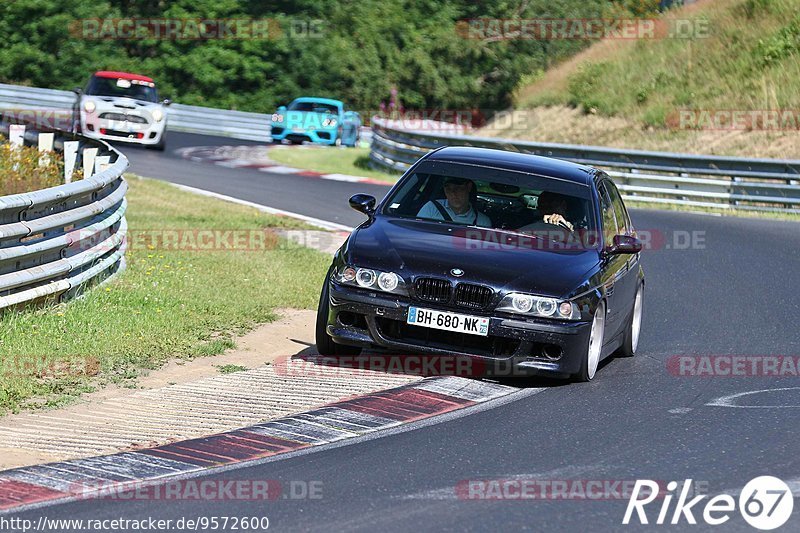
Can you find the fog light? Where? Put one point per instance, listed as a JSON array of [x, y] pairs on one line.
[[387, 281], [545, 306], [365, 277], [522, 303]]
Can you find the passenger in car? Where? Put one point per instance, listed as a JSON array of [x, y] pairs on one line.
[[458, 206], [553, 208]]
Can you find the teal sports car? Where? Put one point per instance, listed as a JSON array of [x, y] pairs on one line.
[[316, 120]]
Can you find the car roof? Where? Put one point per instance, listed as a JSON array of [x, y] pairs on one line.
[[122, 75], [515, 161], [318, 100]]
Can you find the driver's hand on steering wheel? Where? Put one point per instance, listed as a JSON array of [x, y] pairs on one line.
[[558, 220]]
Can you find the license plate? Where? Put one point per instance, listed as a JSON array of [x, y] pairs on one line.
[[430, 318], [298, 130]]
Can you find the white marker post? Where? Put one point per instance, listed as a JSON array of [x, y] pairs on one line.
[[45, 147], [88, 162], [70, 155], [101, 163], [16, 135]]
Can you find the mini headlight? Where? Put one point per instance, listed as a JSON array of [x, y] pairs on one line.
[[158, 115], [277, 118], [522, 302], [365, 277], [329, 122], [387, 281], [89, 106], [545, 306], [565, 309]]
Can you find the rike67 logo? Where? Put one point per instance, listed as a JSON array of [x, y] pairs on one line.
[[765, 503]]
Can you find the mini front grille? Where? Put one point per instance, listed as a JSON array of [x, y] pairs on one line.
[[119, 117], [432, 289], [473, 296]]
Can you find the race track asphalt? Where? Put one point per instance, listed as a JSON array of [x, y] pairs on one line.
[[735, 291]]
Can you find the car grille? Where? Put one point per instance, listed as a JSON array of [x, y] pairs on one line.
[[472, 296], [119, 117], [432, 289]]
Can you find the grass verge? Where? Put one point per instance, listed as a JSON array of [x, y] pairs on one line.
[[168, 302], [350, 161]]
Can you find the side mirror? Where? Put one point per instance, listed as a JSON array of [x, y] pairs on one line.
[[281, 109], [363, 203], [166, 101], [77, 90], [624, 244]]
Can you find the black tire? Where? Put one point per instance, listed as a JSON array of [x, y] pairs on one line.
[[629, 344], [161, 145], [325, 345], [355, 141]]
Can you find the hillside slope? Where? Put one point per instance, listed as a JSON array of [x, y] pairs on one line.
[[677, 93]]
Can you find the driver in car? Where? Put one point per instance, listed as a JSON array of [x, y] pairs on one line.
[[553, 207], [458, 206]]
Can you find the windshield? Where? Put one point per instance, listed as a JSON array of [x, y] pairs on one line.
[[314, 107], [120, 87], [464, 195]]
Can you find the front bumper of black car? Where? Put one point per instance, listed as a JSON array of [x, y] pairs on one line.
[[514, 345]]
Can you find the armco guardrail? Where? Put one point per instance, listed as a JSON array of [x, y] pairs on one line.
[[658, 177], [55, 242], [191, 119]]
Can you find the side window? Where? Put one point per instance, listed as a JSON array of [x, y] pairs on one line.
[[609, 220], [623, 221]]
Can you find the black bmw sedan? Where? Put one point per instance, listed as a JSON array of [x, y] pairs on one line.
[[501, 257]]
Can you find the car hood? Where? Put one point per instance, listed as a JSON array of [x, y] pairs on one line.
[[413, 248], [123, 103]]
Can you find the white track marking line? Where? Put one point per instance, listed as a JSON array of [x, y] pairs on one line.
[[280, 169], [729, 401], [342, 177]]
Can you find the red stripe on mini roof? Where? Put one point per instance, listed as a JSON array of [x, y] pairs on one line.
[[122, 75]]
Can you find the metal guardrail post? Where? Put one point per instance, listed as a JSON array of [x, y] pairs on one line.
[[56, 242]]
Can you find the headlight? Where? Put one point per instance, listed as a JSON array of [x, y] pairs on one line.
[[277, 118], [329, 122], [388, 281], [528, 304], [89, 106], [369, 278], [158, 115]]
